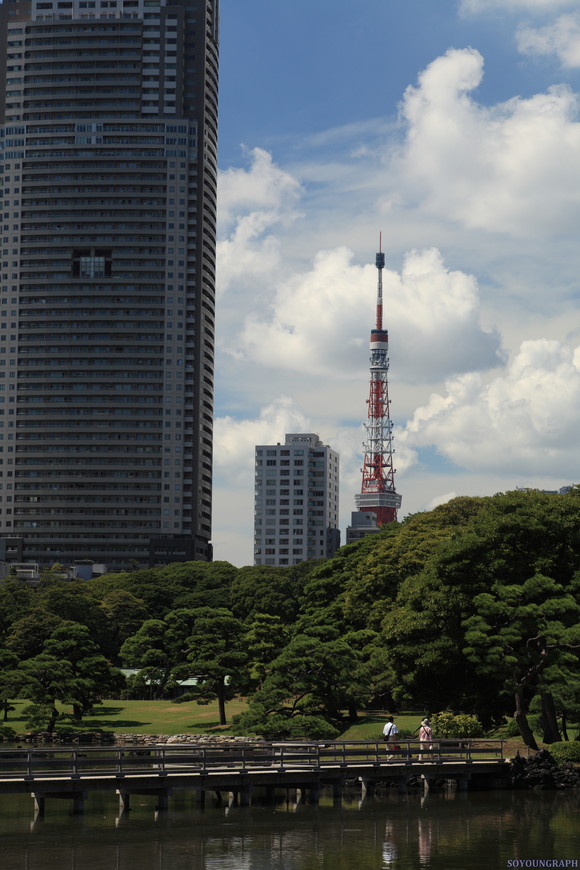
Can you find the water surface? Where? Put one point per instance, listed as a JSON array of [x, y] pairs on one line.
[[442, 831]]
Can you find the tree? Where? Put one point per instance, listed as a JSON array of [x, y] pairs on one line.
[[45, 680], [503, 540], [264, 640], [561, 692], [51, 575], [158, 648], [308, 687], [217, 657], [70, 600], [91, 675], [28, 634], [70, 669], [16, 600], [9, 680], [262, 589], [521, 630], [181, 585], [125, 615]]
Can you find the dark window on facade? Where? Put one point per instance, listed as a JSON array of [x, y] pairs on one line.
[[91, 263]]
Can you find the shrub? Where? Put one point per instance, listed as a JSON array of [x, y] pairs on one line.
[[511, 729], [279, 727], [563, 751], [462, 725], [7, 733]]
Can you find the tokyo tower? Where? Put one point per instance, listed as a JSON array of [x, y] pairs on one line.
[[378, 494]]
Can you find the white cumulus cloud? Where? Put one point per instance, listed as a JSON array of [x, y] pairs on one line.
[[320, 320], [262, 187], [561, 38], [524, 421], [235, 439], [511, 168], [252, 202], [476, 6]]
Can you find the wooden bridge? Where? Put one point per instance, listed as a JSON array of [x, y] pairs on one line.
[[238, 769]]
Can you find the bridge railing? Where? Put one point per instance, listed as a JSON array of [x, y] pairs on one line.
[[161, 759]]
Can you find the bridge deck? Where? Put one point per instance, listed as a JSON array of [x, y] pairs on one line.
[[75, 772]]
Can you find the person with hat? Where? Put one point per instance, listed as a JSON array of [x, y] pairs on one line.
[[425, 736]]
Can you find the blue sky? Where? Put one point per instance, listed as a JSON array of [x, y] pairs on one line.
[[453, 128], [292, 68]]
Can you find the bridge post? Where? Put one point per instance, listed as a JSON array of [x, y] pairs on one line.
[[314, 794], [246, 795], [79, 803], [124, 801], [39, 803], [163, 800], [367, 786]]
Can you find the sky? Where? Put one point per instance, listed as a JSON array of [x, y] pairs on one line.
[[452, 127]]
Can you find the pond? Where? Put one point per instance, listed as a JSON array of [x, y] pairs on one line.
[[439, 831]]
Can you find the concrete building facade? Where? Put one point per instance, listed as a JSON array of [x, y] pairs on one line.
[[109, 159], [362, 523], [296, 501]]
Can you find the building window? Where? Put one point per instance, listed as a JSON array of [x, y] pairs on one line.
[[91, 263]]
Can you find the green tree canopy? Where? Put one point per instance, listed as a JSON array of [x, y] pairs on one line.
[[306, 691], [91, 675], [520, 631], [158, 648], [217, 657]]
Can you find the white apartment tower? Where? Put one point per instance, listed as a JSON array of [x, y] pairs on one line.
[[296, 501]]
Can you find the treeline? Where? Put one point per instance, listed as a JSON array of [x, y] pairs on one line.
[[471, 607]]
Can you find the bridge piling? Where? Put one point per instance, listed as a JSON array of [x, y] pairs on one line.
[[124, 801], [163, 800], [245, 798]]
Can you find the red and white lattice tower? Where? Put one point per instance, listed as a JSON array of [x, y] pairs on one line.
[[378, 494]]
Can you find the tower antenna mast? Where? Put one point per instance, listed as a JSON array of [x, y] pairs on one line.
[[378, 494]]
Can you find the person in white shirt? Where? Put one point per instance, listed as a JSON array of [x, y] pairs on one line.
[[390, 732]]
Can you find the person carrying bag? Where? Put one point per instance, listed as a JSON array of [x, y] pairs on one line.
[[390, 732]]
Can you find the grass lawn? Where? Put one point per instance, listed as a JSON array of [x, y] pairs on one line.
[[163, 717], [370, 725], [142, 717]]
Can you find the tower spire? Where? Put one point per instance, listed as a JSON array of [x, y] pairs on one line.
[[378, 494]]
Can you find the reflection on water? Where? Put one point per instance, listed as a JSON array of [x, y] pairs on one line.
[[440, 831]]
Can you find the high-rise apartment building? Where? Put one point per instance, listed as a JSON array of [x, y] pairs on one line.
[[109, 158], [296, 501]]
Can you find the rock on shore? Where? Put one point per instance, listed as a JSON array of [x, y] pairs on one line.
[[542, 771], [108, 738]]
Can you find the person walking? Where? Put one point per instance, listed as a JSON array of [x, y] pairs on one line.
[[425, 736], [390, 732]]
